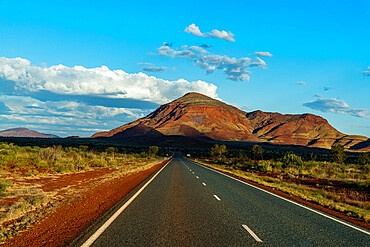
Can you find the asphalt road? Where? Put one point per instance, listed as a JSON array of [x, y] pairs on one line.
[[190, 205]]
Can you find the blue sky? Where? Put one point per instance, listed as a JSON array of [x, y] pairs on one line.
[[72, 68]]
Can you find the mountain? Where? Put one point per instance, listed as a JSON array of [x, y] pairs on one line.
[[198, 116], [24, 132]]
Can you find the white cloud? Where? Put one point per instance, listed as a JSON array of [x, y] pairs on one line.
[[263, 54], [336, 106], [367, 72], [193, 29], [100, 81], [31, 106], [235, 69], [198, 49], [54, 116], [169, 52], [301, 83]]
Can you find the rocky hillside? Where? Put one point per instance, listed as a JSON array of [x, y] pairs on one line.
[[198, 116], [24, 132]]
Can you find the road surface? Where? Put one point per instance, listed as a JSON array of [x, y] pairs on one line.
[[189, 205]]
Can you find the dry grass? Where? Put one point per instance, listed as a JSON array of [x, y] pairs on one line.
[[353, 203], [23, 203]]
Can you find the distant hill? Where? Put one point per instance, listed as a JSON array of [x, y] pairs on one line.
[[24, 132], [197, 116]]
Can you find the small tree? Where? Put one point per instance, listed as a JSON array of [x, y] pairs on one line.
[[363, 159], [338, 153], [83, 148], [218, 150], [111, 151], [257, 152], [152, 151], [290, 159]]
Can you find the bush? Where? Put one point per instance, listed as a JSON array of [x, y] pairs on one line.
[[338, 153], [4, 184], [83, 148], [257, 152], [152, 151], [291, 160], [218, 150], [363, 159]]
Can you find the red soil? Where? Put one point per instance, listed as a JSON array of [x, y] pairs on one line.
[[52, 183], [62, 226]]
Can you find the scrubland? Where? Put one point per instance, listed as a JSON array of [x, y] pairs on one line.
[[35, 180], [340, 186]]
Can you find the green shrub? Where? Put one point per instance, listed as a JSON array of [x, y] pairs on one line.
[[5, 184], [338, 153], [292, 160], [218, 150], [257, 152], [152, 151], [363, 159]]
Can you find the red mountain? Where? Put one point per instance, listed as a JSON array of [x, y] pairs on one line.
[[199, 116], [24, 132]]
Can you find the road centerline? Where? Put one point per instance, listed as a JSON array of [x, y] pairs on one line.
[[218, 198], [288, 200], [252, 233]]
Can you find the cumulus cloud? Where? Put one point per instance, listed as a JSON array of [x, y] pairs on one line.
[[64, 115], [31, 106], [263, 54], [235, 69], [367, 72], [198, 49], [336, 106], [193, 29], [100, 81], [301, 83]]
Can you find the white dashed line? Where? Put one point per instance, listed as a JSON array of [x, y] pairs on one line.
[[293, 202], [204, 184], [218, 198], [252, 233], [197, 177]]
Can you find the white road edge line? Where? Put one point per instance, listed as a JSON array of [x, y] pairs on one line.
[[252, 233], [93, 237], [218, 198], [204, 184], [285, 199]]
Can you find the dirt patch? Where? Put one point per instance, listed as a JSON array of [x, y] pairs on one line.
[[57, 182], [71, 217], [297, 199]]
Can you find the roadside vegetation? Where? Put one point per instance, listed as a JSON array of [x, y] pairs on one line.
[[24, 170], [335, 184]]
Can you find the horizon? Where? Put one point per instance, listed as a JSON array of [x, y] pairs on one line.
[[80, 68]]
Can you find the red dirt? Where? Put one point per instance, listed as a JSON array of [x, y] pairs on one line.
[[52, 183], [297, 199], [62, 226]]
